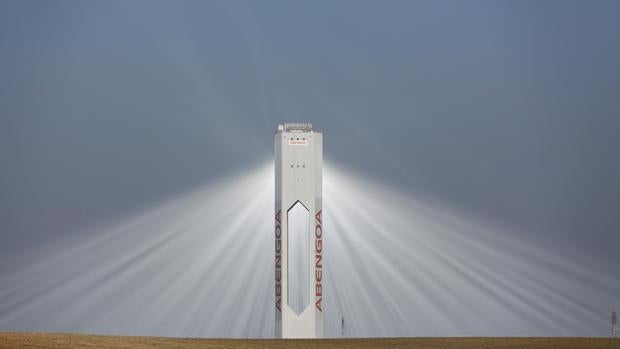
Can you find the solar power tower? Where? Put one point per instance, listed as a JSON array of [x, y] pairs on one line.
[[298, 231], [614, 325]]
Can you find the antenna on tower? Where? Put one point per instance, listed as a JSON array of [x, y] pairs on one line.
[[614, 325]]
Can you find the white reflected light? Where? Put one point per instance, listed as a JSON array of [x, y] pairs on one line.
[[397, 266], [199, 265], [202, 265]]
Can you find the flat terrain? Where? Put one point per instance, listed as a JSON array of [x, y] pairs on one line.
[[59, 340]]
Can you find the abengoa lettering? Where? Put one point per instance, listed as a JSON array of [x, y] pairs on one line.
[[318, 249], [278, 262]]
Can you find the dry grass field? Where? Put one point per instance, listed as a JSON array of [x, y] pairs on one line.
[[58, 340]]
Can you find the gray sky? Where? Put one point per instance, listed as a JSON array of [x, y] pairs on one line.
[[507, 110]]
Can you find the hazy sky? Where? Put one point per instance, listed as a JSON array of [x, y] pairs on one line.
[[507, 110]]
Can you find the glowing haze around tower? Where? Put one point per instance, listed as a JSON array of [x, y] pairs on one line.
[[299, 288]]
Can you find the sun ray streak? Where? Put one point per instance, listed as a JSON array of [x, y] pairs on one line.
[[201, 264]]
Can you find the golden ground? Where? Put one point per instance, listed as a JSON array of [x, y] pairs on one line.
[[60, 340]]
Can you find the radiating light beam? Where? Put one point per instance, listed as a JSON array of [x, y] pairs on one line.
[[201, 265]]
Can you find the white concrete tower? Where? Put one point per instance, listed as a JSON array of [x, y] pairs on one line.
[[299, 231]]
